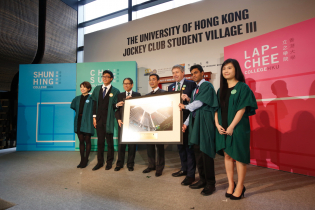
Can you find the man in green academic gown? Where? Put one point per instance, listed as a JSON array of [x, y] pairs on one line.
[[105, 99], [203, 104]]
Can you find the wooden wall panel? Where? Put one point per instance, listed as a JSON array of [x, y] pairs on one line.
[[60, 33], [18, 37]]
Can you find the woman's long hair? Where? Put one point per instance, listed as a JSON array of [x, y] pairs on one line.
[[223, 82]]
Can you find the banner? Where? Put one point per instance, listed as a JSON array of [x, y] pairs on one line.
[[92, 72], [45, 120], [178, 38], [278, 68]]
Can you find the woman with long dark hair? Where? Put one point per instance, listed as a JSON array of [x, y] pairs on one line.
[[237, 103], [83, 121]]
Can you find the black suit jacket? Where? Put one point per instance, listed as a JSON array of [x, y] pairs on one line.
[[121, 97], [190, 86], [158, 91]]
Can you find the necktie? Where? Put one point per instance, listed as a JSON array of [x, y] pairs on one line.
[[194, 112], [196, 91], [178, 86], [152, 92], [104, 92], [128, 93]]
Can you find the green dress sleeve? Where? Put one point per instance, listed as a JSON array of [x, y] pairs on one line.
[[73, 104], [247, 99]]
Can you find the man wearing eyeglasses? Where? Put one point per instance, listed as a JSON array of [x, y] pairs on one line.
[[105, 97], [128, 85], [154, 164], [186, 152]]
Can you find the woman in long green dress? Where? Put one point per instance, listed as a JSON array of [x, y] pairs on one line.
[[237, 103]]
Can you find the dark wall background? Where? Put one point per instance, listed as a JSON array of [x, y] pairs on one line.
[[31, 32], [60, 33], [18, 37]]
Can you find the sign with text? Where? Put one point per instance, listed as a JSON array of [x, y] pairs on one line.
[[277, 67], [45, 120], [92, 72]]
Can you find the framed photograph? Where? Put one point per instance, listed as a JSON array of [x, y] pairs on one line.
[[153, 119]]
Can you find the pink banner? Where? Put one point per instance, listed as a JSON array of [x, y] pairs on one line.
[[278, 68]]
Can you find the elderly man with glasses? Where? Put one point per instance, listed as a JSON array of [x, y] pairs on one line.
[[128, 85]]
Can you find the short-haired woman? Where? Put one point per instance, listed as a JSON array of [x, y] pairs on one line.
[[83, 121]]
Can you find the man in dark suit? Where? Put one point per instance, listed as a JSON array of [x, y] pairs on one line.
[[128, 85], [154, 80], [104, 97], [186, 153]]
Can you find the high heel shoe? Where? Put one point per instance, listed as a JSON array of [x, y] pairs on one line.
[[80, 164], [228, 194], [85, 162], [238, 198]]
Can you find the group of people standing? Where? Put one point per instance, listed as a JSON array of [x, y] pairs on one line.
[[213, 123]]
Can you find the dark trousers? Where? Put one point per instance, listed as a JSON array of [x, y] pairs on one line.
[[187, 156], [159, 165], [101, 135], [121, 154], [205, 165]]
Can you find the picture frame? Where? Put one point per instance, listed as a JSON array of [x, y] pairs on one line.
[[152, 119]]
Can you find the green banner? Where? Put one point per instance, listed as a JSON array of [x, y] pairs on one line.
[[92, 72]]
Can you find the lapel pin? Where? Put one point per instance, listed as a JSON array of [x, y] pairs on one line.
[[233, 91]]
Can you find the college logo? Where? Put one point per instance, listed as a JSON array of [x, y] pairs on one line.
[[46, 79], [96, 76]]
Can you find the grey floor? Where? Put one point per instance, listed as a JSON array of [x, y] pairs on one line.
[[50, 180]]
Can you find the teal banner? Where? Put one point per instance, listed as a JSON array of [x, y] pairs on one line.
[[45, 120], [92, 72]]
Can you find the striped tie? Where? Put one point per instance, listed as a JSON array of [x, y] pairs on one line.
[[194, 112], [178, 86]]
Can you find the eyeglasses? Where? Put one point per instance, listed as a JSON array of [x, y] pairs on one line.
[[126, 83], [106, 77]]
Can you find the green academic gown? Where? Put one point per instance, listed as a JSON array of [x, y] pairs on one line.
[[110, 122], [237, 145], [202, 133], [87, 115]]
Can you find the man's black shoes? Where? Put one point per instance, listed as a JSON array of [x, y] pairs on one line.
[[188, 181], [179, 173]]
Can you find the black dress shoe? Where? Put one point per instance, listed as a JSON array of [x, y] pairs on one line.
[[179, 173], [158, 173], [208, 190], [147, 170], [130, 169], [228, 194], [108, 167], [98, 166], [188, 181], [198, 185], [117, 168], [238, 198]]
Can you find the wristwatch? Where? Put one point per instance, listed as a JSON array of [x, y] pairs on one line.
[[185, 106]]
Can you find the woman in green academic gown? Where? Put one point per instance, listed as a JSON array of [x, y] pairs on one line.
[[83, 121], [237, 103]]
